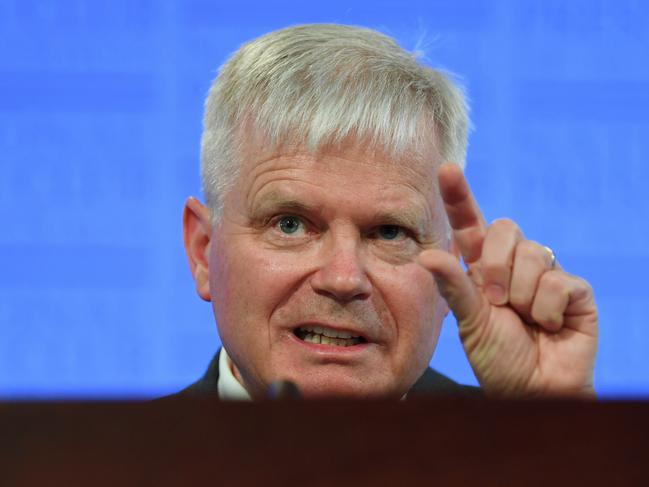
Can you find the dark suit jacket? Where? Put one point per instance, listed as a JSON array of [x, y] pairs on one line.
[[431, 383]]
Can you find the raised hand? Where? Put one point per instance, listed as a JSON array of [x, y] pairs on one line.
[[528, 327]]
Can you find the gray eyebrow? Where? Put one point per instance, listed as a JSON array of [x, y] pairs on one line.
[[407, 217], [278, 201]]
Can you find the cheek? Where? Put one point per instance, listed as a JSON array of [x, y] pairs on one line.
[[248, 282], [411, 295]]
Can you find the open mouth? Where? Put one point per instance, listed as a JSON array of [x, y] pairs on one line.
[[327, 336]]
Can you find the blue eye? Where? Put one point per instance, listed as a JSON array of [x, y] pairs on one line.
[[289, 224], [390, 232]]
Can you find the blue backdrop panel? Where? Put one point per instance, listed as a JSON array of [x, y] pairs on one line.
[[100, 120]]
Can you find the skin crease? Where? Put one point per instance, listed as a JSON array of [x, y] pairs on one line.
[[337, 268]]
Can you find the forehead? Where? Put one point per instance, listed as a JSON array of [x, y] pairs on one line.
[[350, 156], [336, 178]]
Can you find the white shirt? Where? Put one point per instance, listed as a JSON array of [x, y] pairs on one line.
[[230, 389]]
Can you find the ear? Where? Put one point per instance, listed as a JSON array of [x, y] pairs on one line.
[[197, 231]]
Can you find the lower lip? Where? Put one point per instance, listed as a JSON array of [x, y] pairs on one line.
[[331, 350]]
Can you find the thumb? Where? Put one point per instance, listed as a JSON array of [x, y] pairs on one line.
[[455, 286]]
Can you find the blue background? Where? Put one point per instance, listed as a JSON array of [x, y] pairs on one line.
[[100, 119]]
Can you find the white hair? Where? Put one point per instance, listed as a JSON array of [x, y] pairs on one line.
[[310, 86]]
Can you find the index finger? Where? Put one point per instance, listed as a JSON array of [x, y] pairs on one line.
[[464, 215]]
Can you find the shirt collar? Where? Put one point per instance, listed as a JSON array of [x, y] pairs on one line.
[[230, 389]]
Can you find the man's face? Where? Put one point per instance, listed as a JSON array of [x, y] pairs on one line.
[[313, 273]]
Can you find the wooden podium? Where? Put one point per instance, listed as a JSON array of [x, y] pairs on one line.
[[194, 442]]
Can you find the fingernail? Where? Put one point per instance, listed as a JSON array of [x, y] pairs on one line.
[[496, 293]]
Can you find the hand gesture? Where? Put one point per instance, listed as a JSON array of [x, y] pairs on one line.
[[528, 327]]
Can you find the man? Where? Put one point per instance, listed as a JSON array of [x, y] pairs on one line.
[[336, 216]]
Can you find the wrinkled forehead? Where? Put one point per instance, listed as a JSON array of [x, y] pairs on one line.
[[421, 159]]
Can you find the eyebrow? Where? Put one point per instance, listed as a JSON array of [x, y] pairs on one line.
[[407, 218], [276, 201]]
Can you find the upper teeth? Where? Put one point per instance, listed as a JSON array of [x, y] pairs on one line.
[[328, 332]]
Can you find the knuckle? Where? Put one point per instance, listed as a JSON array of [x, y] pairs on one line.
[[531, 251], [518, 299], [582, 288], [548, 318], [493, 269], [505, 224], [555, 282], [584, 285]]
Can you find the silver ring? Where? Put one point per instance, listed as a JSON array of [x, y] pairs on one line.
[[553, 257]]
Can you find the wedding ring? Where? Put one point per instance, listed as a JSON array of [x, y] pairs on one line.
[[553, 257]]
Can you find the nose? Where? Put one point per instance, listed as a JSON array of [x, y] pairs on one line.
[[342, 274]]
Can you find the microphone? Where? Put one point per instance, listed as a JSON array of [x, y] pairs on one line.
[[283, 390]]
